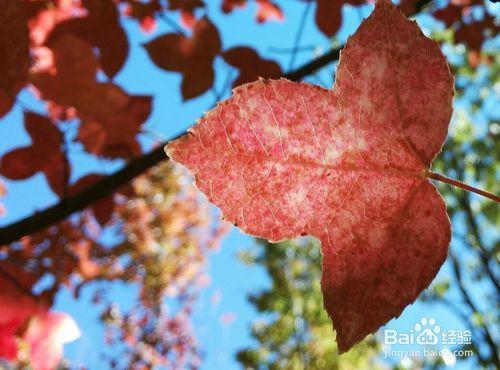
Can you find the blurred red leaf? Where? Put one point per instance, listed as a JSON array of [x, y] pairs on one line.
[[101, 28], [228, 6], [14, 53], [268, 10], [74, 83], [250, 65], [191, 56], [139, 10], [449, 14], [454, 11], [469, 32], [473, 34], [45, 336], [347, 165], [43, 17], [17, 305], [115, 136], [24, 315], [144, 13], [187, 9], [103, 208], [329, 15], [111, 118], [44, 154]]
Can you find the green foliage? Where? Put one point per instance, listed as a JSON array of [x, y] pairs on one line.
[[295, 332]]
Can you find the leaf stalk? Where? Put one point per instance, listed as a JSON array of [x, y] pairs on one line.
[[459, 184]]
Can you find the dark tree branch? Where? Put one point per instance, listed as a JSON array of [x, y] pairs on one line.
[[108, 185], [67, 206], [300, 31]]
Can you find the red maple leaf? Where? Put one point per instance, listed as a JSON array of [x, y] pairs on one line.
[[250, 65], [348, 166], [192, 56], [44, 154]]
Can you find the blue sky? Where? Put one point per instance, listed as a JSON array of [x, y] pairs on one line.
[[230, 278]]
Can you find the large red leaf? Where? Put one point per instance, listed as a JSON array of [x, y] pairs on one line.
[[348, 166], [192, 56]]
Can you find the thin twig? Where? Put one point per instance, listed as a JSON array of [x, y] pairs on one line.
[[300, 31], [468, 300], [459, 184], [276, 50], [67, 206], [175, 27], [484, 254]]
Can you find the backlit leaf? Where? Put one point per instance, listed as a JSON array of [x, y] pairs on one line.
[[347, 165]]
